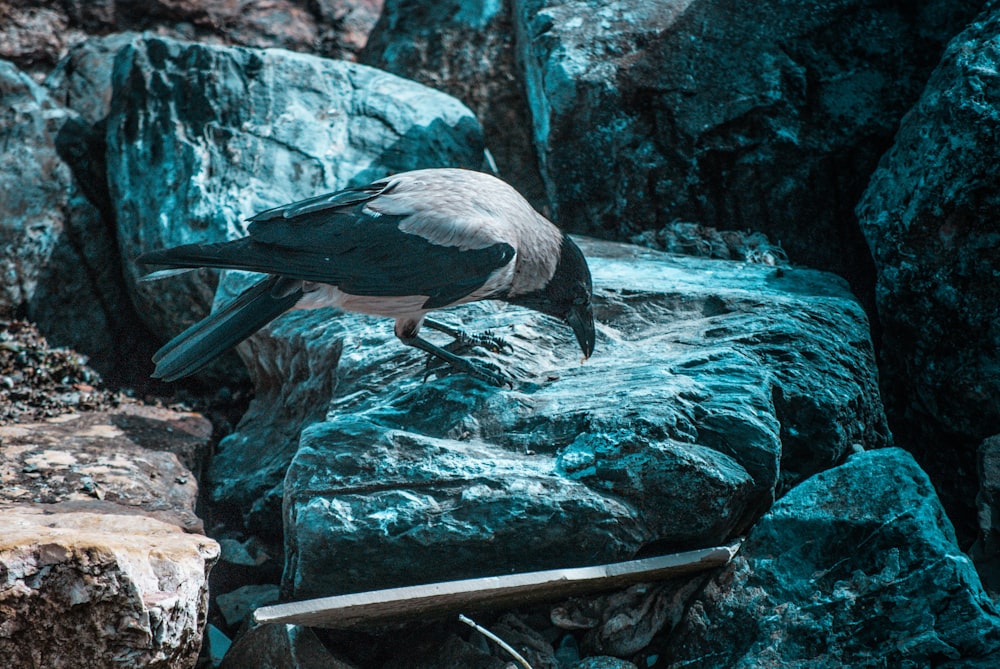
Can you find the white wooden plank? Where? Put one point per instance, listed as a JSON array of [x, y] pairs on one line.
[[433, 599]]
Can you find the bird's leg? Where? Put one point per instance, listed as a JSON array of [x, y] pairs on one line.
[[487, 340], [485, 371]]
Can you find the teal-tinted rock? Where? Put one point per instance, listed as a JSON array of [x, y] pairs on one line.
[[734, 115], [929, 215], [706, 375], [603, 662], [58, 262], [857, 566], [467, 49], [281, 647], [201, 137]]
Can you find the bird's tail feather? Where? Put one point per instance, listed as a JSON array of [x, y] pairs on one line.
[[222, 255], [201, 343]]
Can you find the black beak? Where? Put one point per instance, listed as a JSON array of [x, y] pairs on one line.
[[581, 319]]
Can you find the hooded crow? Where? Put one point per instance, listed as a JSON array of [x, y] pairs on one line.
[[399, 247]]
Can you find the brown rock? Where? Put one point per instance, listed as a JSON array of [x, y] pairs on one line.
[[32, 35], [100, 553], [134, 460], [36, 35], [345, 25], [85, 589]]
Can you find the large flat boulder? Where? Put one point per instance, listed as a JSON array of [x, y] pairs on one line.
[[133, 459], [715, 385]]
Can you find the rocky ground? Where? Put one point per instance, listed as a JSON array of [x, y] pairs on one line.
[[37, 381]]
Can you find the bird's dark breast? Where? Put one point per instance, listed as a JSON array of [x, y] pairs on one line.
[[370, 256]]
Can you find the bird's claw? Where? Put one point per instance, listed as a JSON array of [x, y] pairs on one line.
[[484, 371], [487, 340], [494, 343], [492, 374]]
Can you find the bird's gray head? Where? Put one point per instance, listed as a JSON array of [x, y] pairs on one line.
[[567, 295]]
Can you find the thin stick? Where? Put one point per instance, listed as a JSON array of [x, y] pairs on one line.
[[500, 642]]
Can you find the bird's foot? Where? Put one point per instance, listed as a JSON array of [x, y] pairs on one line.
[[487, 340], [490, 373], [484, 371]]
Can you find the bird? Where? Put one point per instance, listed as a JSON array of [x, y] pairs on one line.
[[399, 247]]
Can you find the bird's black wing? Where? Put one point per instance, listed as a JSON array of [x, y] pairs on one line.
[[341, 200], [338, 239], [204, 341]]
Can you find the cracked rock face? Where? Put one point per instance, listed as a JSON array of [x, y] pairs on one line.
[[731, 115], [466, 49], [35, 35], [134, 459], [85, 589], [57, 265], [929, 215], [714, 385], [903, 595], [101, 557], [201, 137]]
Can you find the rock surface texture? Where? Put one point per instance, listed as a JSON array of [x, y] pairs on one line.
[[58, 265], [468, 50], [930, 217], [37, 34], [986, 550], [714, 385], [904, 594], [132, 459], [732, 115], [282, 646], [98, 563], [201, 137], [83, 589]]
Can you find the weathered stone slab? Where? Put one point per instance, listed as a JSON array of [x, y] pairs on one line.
[[81, 80], [706, 375], [83, 589], [35, 35], [101, 558], [857, 566], [136, 459]]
